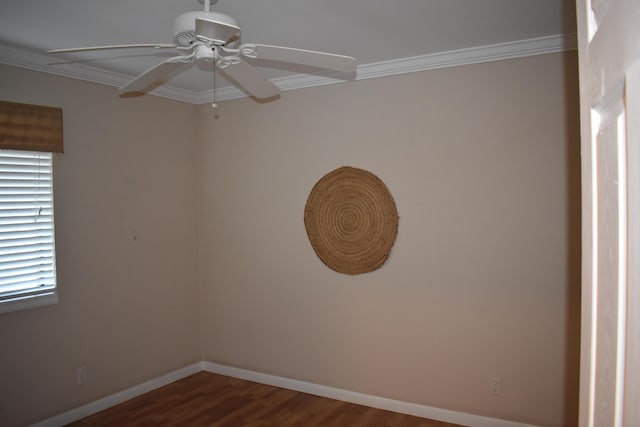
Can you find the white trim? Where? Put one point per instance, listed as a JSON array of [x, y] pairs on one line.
[[41, 62], [623, 230], [362, 399], [475, 55], [114, 399], [415, 409], [29, 302], [453, 58]]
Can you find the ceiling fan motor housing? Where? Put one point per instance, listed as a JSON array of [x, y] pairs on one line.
[[216, 28]]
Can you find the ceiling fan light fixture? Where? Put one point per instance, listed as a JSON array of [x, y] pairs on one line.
[[204, 53]]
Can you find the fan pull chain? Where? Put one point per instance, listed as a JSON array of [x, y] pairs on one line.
[[215, 59]]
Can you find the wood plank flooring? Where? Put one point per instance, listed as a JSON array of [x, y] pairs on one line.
[[206, 399]]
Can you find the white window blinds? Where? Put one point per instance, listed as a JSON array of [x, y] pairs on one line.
[[27, 243]]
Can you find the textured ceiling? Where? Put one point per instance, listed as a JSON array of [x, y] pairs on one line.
[[369, 30]]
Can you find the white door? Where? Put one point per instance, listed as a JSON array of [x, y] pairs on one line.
[[609, 51]]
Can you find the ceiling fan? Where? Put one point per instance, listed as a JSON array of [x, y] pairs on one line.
[[213, 37]]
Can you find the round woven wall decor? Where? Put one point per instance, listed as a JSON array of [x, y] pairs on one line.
[[351, 220]]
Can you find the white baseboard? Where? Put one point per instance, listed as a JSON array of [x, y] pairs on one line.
[[291, 384], [363, 399], [114, 399]]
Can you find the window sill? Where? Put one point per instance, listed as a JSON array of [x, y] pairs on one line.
[[28, 302]]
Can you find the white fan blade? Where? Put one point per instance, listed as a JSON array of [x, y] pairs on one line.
[[115, 46], [248, 77], [311, 58], [157, 74]]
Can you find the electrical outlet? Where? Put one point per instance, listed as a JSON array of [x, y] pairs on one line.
[[81, 375], [495, 385]]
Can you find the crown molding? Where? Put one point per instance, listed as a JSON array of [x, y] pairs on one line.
[[453, 58], [496, 52], [468, 56], [40, 62]]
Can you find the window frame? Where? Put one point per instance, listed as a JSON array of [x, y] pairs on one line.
[[34, 297], [33, 128]]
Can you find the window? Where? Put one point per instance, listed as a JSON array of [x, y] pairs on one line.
[[27, 243], [29, 134]]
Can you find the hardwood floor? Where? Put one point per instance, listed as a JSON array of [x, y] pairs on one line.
[[206, 399]]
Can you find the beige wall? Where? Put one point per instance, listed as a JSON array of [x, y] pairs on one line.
[[482, 162], [127, 308], [483, 279]]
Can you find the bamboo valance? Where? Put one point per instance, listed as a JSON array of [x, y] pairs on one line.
[[30, 127]]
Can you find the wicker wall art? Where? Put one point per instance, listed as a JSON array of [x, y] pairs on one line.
[[351, 220]]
